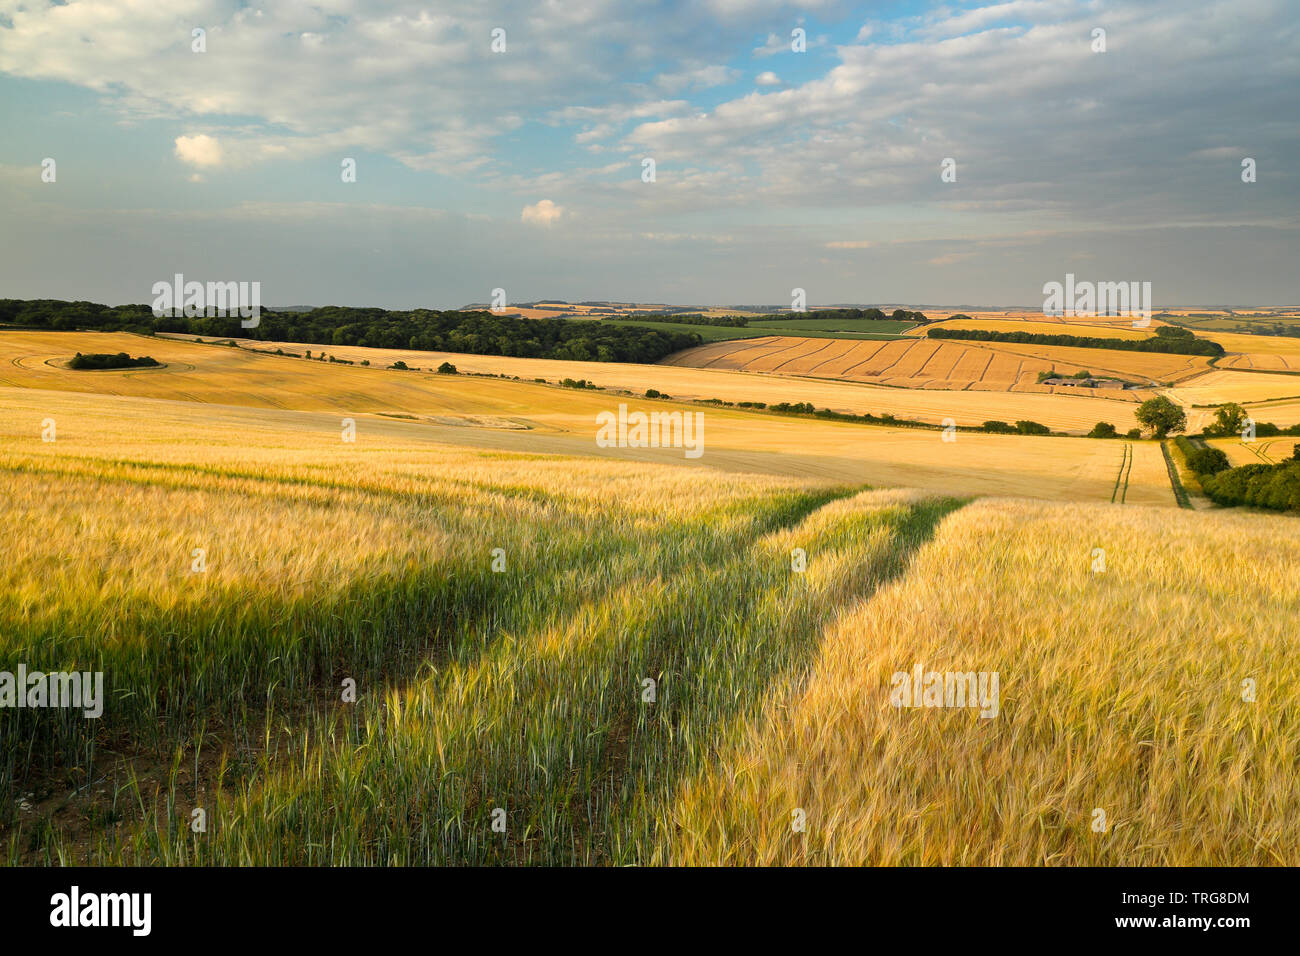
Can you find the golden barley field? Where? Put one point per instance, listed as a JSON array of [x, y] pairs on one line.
[[1268, 353], [1153, 692], [372, 650], [1225, 385], [1266, 451]]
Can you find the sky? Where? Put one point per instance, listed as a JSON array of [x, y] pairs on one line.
[[504, 145]]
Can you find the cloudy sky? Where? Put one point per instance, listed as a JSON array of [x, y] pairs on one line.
[[775, 168]]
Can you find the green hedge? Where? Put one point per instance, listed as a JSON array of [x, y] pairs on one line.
[[1163, 344], [1261, 486]]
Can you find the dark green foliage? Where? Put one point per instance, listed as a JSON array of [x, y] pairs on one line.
[[1229, 419], [998, 428], [103, 360], [1163, 344], [1103, 430], [1205, 461], [446, 368], [1262, 486], [1161, 415], [479, 333], [1032, 428]]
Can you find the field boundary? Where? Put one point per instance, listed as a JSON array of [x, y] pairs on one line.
[[1180, 493]]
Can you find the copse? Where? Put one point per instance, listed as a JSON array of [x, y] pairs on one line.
[[104, 360], [1102, 430]]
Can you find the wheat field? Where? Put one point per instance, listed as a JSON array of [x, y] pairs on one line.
[[425, 620], [515, 693]]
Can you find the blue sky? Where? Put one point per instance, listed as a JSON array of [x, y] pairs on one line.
[[775, 169]]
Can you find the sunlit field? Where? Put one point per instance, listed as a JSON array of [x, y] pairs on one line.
[[940, 364], [498, 613], [1073, 413], [1161, 691], [215, 383], [456, 634]]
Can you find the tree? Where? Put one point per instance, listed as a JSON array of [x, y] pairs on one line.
[[1229, 419], [1162, 416], [1032, 428], [1102, 430], [446, 368]]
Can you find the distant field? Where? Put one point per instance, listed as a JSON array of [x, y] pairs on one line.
[[1268, 353], [1247, 321], [792, 325], [248, 389], [1220, 385], [710, 333], [1077, 413], [984, 319], [1267, 451], [1039, 324], [827, 329], [937, 364]]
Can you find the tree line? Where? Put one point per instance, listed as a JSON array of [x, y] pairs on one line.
[[742, 321], [479, 333], [1168, 339]]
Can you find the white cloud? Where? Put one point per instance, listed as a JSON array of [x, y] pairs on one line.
[[698, 79], [201, 150], [767, 78], [542, 213]]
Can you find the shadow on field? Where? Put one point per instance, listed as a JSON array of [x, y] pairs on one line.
[[247, 673]]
